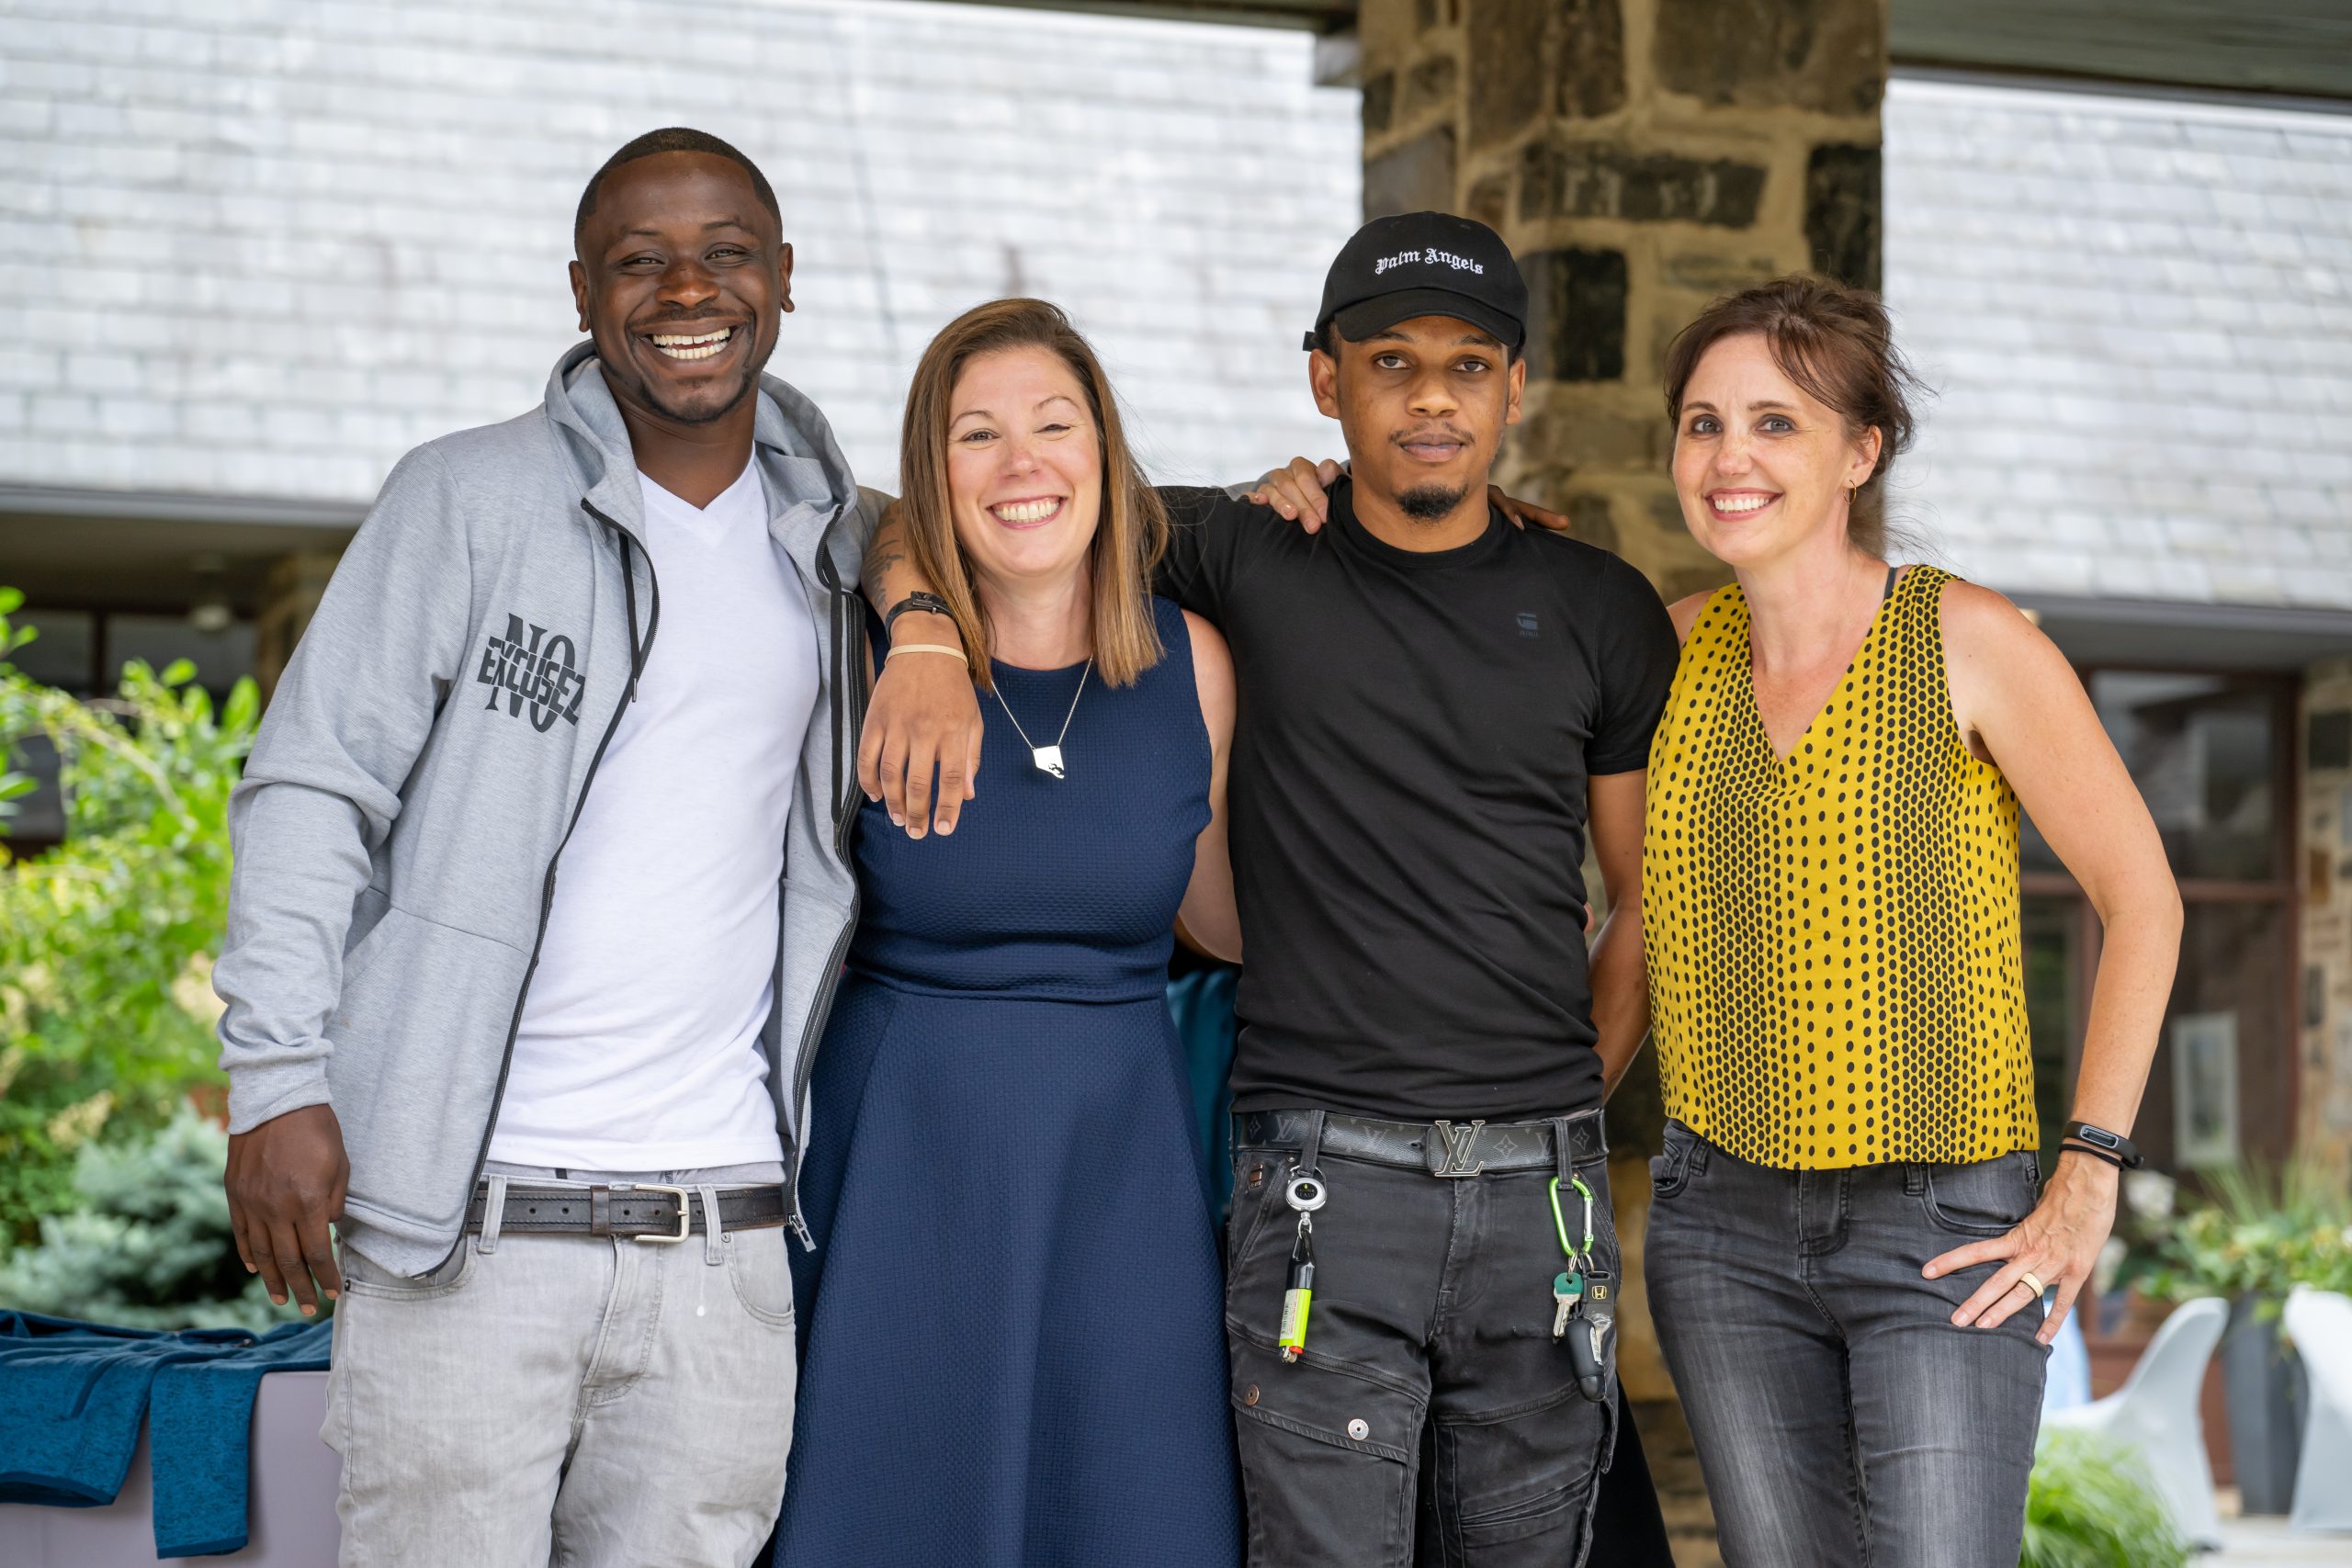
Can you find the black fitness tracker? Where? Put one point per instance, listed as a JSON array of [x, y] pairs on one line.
[[2114, 1148]]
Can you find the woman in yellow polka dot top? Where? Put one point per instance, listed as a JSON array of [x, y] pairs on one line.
[[1849, 1242]]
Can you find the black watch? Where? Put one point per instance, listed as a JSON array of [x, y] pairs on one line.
[[2125, 1153], [929, 604]]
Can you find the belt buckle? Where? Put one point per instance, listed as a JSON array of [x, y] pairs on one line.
[[685, 1212], [1458, 1144]]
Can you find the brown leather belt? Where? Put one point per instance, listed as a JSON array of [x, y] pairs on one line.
[[642, 1212]]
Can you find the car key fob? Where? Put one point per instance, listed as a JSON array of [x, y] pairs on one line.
[[1592, 1337]]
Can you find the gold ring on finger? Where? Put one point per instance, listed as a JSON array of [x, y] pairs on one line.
[[2031, 1281]]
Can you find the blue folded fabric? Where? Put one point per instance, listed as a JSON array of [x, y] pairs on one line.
[[73, 1394], [71, 1398], [199, 1430]]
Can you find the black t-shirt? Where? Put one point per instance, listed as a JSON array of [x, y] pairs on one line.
[[1407, 801]]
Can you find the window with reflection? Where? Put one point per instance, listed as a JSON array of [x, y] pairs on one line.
[[2222, 1084], [2204, 751], [2207, 753]]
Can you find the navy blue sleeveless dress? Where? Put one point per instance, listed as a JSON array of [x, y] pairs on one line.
[[1013, 1349]]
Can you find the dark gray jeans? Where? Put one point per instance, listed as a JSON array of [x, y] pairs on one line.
[[1839, 1416]]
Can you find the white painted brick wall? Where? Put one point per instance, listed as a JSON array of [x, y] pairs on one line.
[[264, 246], [2138, 317]]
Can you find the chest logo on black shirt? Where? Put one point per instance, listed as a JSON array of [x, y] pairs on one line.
[[533, 671], [1527, 626]]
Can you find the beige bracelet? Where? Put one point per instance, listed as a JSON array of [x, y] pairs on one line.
[[956, 653]]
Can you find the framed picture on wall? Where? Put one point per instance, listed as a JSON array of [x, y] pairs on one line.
[[2205, 1089]]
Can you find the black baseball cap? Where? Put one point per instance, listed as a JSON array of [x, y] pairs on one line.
[[1424, 263]]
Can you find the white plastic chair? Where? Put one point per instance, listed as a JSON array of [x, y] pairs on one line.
[[2155, 1412], [2320, 1322]]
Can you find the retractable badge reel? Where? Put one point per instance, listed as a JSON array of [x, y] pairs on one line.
[[1305, 1194]]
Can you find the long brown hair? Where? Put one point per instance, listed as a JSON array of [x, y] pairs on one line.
[[1130, 536], [1835, 343]]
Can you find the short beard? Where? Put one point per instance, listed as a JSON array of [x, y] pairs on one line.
[[662, 406], [629, 384], [1431, 503]]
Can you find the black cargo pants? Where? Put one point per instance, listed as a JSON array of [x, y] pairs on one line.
[[1432, 1419]]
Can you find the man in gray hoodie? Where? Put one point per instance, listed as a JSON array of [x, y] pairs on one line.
[[538, 1049]]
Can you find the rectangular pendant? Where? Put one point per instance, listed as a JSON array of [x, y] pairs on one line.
[[1049, 759]]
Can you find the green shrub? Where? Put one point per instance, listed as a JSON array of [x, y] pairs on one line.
[[107, 940], [2089, 1506], [2264, 1232], [147, 1244]]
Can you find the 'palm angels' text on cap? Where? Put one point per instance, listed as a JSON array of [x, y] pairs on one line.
[[1424, 263]]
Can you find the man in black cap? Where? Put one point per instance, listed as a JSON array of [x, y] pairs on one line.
[[1437, 708]]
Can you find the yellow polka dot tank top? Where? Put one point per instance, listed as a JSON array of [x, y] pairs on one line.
[[1834, 958]]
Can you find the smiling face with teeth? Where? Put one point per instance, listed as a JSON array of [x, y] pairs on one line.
[[1025, 507], [682, 279], [1024, 470], [1761, 465]]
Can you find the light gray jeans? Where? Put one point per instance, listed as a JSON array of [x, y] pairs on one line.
[[565, 1399]]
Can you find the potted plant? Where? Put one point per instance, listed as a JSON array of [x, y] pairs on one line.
[[2264, 1232]]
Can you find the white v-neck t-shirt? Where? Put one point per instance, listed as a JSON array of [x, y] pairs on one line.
[[639, 1043]]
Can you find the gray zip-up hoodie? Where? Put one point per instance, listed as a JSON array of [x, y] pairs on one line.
[[401, 823]]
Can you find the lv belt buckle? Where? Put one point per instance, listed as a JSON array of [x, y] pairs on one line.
[[685, 1213], [1450, 1150]]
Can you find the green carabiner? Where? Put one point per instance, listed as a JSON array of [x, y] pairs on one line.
[[1560, 1221]]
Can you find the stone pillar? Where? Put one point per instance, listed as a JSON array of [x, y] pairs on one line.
[[2323, 871], [1641, 156]]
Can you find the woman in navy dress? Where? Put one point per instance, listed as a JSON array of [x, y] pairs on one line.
[[1013, 1330]]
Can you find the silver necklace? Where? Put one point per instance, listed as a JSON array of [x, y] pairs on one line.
[[1048, 757]]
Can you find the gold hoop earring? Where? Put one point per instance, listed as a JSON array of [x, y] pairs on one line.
[[1851, 491]]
